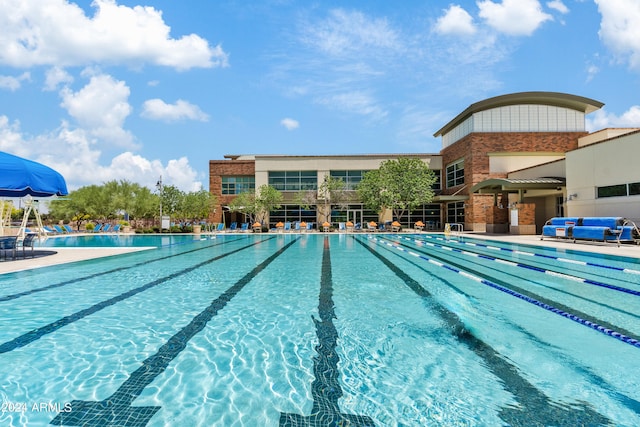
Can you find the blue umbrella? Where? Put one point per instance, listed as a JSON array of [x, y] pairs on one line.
[[21, 177]]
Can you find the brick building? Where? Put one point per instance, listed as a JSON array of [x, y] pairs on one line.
[[502, 168]]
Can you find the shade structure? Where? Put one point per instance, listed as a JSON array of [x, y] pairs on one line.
[[20, 177]]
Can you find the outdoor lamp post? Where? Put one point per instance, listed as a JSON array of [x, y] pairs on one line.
[[159, 187]]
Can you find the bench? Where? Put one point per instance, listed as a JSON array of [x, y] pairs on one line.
[[605, 229]]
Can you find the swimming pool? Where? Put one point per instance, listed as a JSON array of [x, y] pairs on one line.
[[314, 330]]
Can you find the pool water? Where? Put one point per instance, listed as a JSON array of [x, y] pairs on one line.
[[323, 330]]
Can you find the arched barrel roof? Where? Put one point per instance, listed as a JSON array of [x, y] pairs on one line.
[[556, 99]]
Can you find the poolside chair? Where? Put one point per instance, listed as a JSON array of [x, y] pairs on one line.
[[244, 227], [256, 227], [233, 227], [396, 226], [357, 227], [116, 228], [97, 228], [106, 228], [349, 226], [371, 226], [287, 227], [8, 244], [28, 242], [342, 227], [220, 227], [48, 230], [68, 228], [309, 226], [326, 226], [296, 226]]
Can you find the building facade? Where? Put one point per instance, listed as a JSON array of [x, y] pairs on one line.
[[507, 165]]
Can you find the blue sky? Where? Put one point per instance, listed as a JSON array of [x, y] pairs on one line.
[[102, 90]]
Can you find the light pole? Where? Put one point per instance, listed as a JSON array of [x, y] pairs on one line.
[[159, 187]]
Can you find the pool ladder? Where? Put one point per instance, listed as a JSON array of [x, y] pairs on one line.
[[455, 229]]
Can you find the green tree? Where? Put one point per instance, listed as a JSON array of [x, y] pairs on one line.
[[245, 203], [79, 206], [401, 185], [331, 192], [267, 200], [197, 205], [172, 201]]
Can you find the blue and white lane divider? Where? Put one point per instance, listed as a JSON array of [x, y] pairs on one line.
[[612, 333], [528, 267], [533, 254]]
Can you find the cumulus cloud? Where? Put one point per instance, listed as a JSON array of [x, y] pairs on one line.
[[57, 32], [620, 29], [157, 109], [513, 17], [456, 21], [601, 119], [84, 164], [290, 124], [13, 83], [101, 108]]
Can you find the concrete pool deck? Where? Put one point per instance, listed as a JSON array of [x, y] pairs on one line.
[[45, 257]]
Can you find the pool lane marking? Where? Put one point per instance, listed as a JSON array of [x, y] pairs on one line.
[[526, 266], [116, 410], [114, 270], [534, 407], [325, 388], [593, 325], [630, 403], [38, 333], [534, 254]]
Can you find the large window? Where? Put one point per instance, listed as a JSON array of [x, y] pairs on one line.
[[238, 184], [292, 213], [619, 190], [428, 214], [350, 178], [294, 180], [455, 212], [437, 184], [455, 174]]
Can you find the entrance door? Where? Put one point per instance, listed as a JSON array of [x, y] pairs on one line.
[[355, 216]]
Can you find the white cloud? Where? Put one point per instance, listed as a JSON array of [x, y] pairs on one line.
[[57, 32], [356, 103], [558, 5], [290, 124], [456, 21], [72, 153], [157, 109], [55, 76], [13, 83], [513, 17], [101, 108], [601, 119], [345, 32], [620, 29]]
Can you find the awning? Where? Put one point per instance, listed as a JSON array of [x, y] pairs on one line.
[[506, 185]]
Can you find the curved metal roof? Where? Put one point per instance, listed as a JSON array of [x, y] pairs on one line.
[[556, 99]]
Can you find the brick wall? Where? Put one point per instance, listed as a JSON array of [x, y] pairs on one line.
[[220, 168]]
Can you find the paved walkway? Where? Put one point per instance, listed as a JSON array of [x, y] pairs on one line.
[[59, 256]]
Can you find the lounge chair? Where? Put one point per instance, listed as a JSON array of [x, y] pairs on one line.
[[116, 228], [244, 227], [58, 229], [296, 226], [97, 228], [287, 227], [106, 228], [48, 230], [220, 227], [233, 227], [342, 227], [68, 228], [371, 226]]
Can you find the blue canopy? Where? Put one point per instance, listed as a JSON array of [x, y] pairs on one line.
[[20, 177]]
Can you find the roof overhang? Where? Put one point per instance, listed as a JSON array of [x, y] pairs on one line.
[[450, 198], [505, 185]]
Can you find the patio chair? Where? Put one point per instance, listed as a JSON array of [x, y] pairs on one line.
[[97, 228], [287, 227], [106, 228], [8, 244], [28, 242], [116, 228], [220, 227], [244, 227], [233, 227], [68, 228]]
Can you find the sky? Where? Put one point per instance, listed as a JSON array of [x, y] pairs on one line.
[[136, 90]]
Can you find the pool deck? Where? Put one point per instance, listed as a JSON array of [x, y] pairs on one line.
[[53, 256]]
